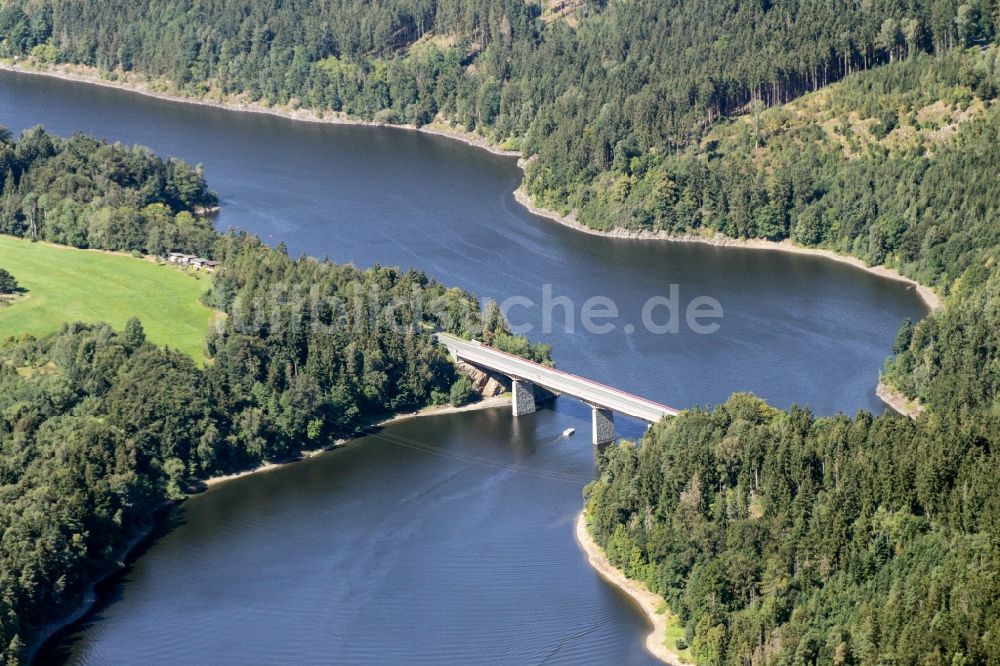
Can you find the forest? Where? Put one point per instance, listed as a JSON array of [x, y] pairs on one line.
[[99, 428], [92, 194], [579, 91], [871, 128], [783, 538]]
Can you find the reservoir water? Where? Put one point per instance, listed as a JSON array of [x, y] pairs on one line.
[[446, 539]]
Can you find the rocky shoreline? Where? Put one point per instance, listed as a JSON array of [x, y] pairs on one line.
[[898, 402], [141, 86]]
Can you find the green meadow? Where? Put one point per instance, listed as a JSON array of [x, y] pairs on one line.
[[65, 284]]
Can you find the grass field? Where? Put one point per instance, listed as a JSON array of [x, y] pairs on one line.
[[676, 632], [65, 284]]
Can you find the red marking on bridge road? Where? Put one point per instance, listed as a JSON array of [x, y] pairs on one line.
[[570, 374]]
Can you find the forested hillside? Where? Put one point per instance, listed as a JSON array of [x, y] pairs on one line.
[[98, 428], [777, 537], [583, 94], [896, 166], [782, 538]]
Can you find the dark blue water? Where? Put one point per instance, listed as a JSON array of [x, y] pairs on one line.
[[447, 540], [795, 329]]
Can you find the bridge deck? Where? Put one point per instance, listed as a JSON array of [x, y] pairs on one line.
[[589, 391]]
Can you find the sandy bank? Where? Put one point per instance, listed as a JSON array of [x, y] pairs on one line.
[[927, 294], [898, 402], [649, 602], [485, 403], [137, 84]]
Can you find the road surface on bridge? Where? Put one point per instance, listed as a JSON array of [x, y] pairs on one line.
[[587, 390]]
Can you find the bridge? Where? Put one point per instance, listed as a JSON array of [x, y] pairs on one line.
[[604, 401]]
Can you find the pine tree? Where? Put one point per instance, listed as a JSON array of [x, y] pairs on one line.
[[8, 285]]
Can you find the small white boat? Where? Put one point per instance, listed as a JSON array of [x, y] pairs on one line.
[[568, 431]]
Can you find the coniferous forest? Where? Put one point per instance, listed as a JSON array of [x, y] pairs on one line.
[[98, 428], [871, 128]]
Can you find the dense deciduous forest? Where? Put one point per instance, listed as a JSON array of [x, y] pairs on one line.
[[778, 537], [91, 194], [98, 428]]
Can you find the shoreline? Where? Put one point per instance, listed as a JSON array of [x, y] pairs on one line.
[[484, 403], [141, 86], [648, 601], [90, 598], [898, 402], [927, 294], [596, 557]]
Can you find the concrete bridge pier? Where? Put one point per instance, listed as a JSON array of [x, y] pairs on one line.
[[603, 425], [524, 397]]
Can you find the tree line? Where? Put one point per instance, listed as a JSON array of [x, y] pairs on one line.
[[98, 428], [778, 537], [647, 74], [89, 193]]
